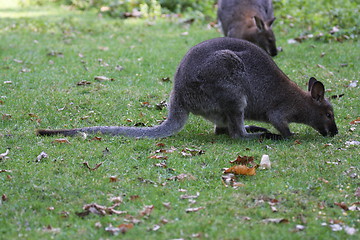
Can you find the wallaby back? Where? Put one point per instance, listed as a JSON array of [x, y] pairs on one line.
[[250, 20], [228, 80]]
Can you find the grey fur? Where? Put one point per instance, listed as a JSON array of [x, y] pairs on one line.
[[226, 81], [250, 20]]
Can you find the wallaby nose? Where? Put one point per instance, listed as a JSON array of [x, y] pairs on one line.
[[273, 53]]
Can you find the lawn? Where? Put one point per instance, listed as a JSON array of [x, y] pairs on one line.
[[168, 188]]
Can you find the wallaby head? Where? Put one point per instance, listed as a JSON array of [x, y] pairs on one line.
[[322, 114], [263, 36], [250, 20], [226, 81]]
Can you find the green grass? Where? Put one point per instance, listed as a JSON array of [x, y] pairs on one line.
[[149, 51]]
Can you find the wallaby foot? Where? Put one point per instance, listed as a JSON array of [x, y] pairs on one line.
[[272, 136], [253, 129]]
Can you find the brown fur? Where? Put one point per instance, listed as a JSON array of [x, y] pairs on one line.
[[250, 20]]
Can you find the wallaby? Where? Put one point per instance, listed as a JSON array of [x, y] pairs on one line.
[[250, 20], [228, 80]]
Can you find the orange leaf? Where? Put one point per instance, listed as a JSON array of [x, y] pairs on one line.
[[61, 140], [242, 170], [356, 121], [243, 160]]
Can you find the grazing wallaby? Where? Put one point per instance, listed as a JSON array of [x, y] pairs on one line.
[[227, 80], [250, 20]]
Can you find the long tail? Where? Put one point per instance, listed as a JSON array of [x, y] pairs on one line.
[[174, 123]]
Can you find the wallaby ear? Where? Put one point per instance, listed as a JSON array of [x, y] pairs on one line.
[[270, 22], [312, 80], [318, 91], [259, 23]]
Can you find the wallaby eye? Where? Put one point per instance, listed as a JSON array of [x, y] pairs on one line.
[[328, 115]]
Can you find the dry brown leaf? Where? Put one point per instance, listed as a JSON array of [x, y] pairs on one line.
[[356, 121], [96, 139], [4, 170], [323, 180], [191, 152], [357, 192], [122, 228], [134, 197], [243, 160], [342, 205], [188, 210], [275, 220], [147, 210], [161, 165], [182, 177], [190, 196], [86, 164], [6, 116], [51, 229], [158, 157], [242, 170], [4, 197], [83, 82], [167, 205], [113, 178], [61, 140]]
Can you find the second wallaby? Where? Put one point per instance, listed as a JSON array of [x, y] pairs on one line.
[[250, 20], [228, 80]]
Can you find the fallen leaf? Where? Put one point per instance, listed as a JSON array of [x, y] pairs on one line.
[[103, 78], [158, 157], [56, 54], [243, 160], [61, 140], [96, 139], [8, 82], [191, 152], [83, 82], [51, 229], [4, 155], [165, 79], [4, 197], [350, 230], [4, 170], [86, 164], [162, 165], [147, 210], [356, 121], [275, 220], [357, 192], [167, 205], [342, 205], [188, 210], [155, 228], [99, 210], [102, 48], [122, 228], [41, 156], [242, 170], [134, 197], [6, 116], [113, 179], [353, 84], [323, 180], [190, 196], [182, 177]]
